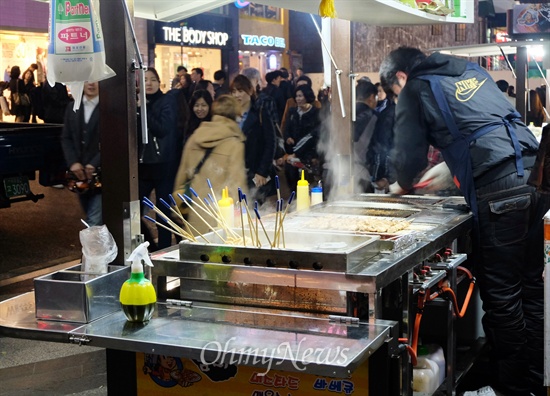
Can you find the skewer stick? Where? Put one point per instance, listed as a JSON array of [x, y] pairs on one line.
[[186, 198], [278, 187], [284, 215], [241, 212], [221, 221], [163, 226], [250, 223], [258, 244], [181, 218], [213, 194], [151, 205], [185, 223], [276, 222], [262, 224]]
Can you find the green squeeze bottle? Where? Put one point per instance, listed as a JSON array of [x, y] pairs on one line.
[[137, 295]]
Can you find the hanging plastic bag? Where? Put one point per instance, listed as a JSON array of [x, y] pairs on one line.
[[98, 249], [76, 53]]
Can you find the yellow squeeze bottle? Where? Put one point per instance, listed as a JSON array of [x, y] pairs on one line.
[[137, 295], [302, 194], [227, 209]]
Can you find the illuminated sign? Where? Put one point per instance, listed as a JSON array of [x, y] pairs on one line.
[[184, 35], [241, 3], [266, 41]]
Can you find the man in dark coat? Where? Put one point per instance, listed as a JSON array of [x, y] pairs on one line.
[[80, 142]]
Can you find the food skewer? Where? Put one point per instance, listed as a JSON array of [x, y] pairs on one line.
[[284, 215], [189, 234], [258, 244], [262, 224], [276, 222], [186, 198], [163, 226], [241, 212], [185, 223], [151, 205], [215, 200], [250, 224]]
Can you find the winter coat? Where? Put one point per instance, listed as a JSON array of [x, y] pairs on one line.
[[381, 144], [260, 143], [224, 166], [304, 130], [419, 122], [164, 138]]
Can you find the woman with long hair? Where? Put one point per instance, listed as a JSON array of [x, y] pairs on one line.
[[201, 110], [260, 140], [17, 85], [301, 134], [158, 159]]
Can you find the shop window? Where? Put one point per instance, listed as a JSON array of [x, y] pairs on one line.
[[254, 10], [460, 32], [437, 30]]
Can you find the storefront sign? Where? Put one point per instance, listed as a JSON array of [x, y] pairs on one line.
[[263, 41], [192, 37]]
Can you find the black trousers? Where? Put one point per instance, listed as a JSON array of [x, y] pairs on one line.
[[509, 262]]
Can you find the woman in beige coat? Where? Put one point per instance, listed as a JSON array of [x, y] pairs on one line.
[[219, 145]]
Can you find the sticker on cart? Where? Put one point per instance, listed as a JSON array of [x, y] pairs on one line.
[[163, 375]]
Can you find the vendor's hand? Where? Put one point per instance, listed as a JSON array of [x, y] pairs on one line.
[[440, 176], [395, 188], [78, 170], [290, 157], [290, 141]]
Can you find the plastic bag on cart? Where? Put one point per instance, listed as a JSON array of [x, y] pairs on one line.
[[98, 250], [76, 53]]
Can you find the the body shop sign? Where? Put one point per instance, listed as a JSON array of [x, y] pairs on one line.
[[190, 36]]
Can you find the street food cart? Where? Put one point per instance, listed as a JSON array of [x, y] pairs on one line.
[[325, 310], [281, 318]]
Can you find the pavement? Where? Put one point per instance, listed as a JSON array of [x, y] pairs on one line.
[[37, 239]]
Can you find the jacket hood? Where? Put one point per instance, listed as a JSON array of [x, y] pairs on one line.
[[210, 133], [440, 64]]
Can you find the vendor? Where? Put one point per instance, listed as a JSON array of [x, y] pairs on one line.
[[456, 106]]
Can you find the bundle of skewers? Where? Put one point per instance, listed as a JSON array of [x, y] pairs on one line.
[[208, 211]]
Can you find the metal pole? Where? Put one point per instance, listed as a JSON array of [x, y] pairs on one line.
[[142, 68], [338, 72]]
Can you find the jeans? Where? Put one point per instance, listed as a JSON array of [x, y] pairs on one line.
[[91, 203], [508, 266]]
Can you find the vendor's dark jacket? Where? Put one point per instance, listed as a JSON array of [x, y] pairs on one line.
[[419, 122], [305, 131], [80, 141]]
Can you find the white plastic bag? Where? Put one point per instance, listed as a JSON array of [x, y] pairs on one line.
[[76, 53], [98, 249]]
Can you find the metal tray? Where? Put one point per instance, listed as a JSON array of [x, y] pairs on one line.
[[301, 250], [71, 295]]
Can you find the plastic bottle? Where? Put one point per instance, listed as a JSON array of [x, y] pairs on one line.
[[137, 295], [436, 355], [425, 373], [457, 10], [227, 209], [302, 194], [316, 195]]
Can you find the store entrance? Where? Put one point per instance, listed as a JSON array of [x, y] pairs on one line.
[[170, 57]]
